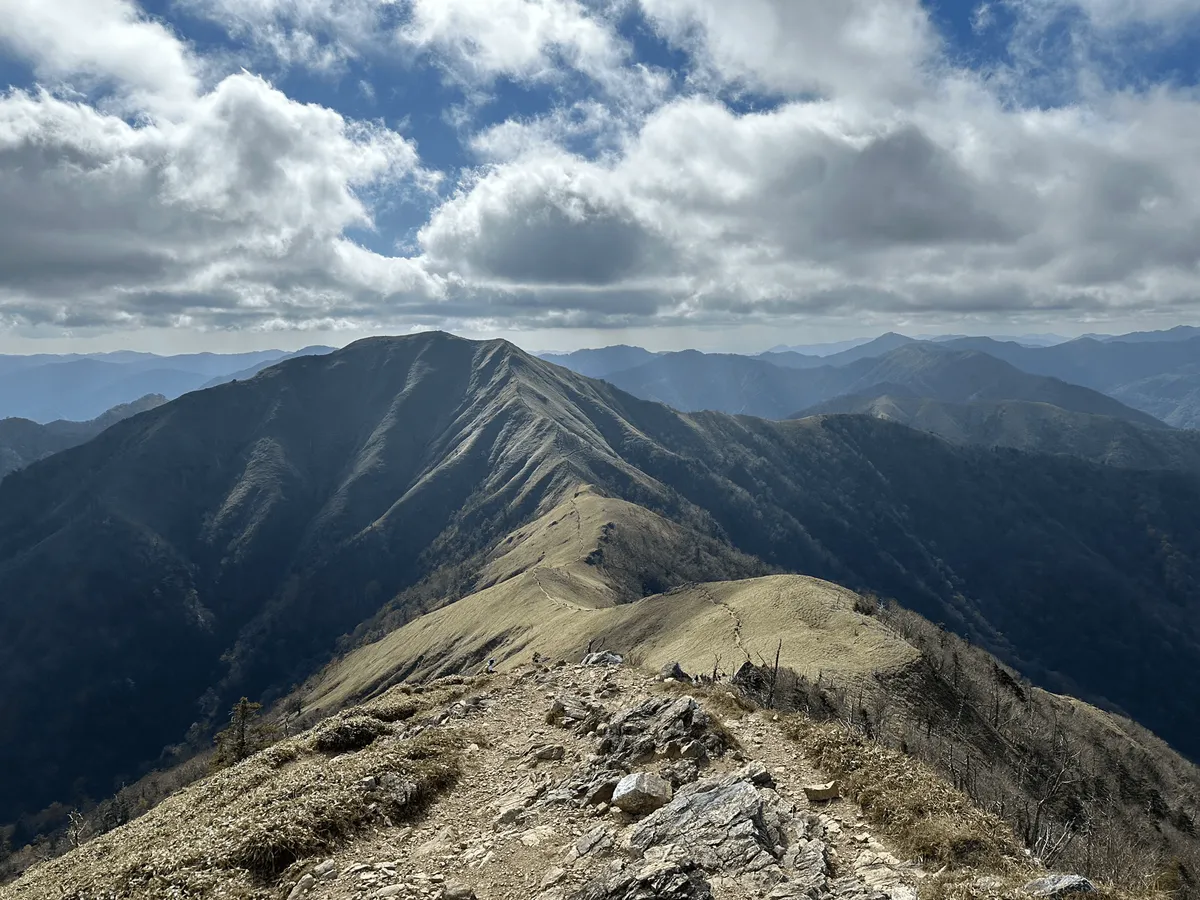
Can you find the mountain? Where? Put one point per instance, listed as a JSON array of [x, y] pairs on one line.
[[826, 349], [601, 362], [744, 385], [1173, 396], [454, 708], [81, 387], [220, 545], [1158, 377], [1029, 426], [251, 371], [23, 442], [1178, 333], [869, 350]]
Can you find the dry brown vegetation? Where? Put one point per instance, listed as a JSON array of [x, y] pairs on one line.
[[1084, 790], [244, 827], [925, 816]]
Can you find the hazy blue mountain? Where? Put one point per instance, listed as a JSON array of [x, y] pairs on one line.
[[23, 442], [1155, 376], [869, 350], [1026, 425], [251, 371], [1028, 340], [601, 362], [77, 387], [1178, 333], [825, 349], [752, 386]]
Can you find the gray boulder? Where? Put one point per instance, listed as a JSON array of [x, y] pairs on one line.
[[603, 658], [737, 826], [641, 793], [673, 670], [637, 734]]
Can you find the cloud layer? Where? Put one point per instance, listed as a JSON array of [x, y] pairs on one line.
[[769, 163]]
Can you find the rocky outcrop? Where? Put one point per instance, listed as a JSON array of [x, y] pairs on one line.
[[662, 726], [668, 877]]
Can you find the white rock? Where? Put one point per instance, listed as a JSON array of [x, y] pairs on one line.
[[641, 793], [820, 793]]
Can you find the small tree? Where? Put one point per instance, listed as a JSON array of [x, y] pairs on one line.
[[244, 736]]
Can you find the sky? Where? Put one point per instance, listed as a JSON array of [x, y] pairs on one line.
[[184, 175]]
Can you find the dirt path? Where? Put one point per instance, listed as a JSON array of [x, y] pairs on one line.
[[528, 854], [737, 622]]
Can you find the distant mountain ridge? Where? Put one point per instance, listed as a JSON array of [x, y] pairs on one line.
[[74, 387], [1160, 377], [601, 362], [1156, 372], [220, 545], [1025, 425], [23, 442], [741, 385]]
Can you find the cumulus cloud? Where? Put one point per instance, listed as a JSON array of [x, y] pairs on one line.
[[519, 38], [962, 204], [1117, 13], [863, 48], [875, 179], [208, 207], [107, 40], [315, 34]]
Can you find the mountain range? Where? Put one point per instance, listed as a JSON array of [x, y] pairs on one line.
[[741, 385], [78, 387], [1030, 426], [1155, 373], [222, 544]]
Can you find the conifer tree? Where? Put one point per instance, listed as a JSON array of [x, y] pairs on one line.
[[243, 737]]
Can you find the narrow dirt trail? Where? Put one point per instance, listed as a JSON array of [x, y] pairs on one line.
[[557, 601], [737, 622]]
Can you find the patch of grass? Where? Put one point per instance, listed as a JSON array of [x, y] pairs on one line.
[[345, 733], [332, 809], [926, 818]]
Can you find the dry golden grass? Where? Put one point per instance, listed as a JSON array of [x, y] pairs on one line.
[[925, 817], [543, 597], [236, 832]]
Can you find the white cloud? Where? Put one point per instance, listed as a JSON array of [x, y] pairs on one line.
[[315, 34], [108, 40], [863, 48], [524, 39], [903, 189], [1116, 13], [960, 206], [212, 207]]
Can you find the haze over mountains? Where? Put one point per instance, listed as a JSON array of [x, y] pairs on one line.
[[74, 387], [23, 442], [1156, 373], [219, 545]]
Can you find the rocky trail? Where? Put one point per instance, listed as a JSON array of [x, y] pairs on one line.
[[534, 813]]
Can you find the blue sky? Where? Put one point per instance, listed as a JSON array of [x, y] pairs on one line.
[[227, 174]]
